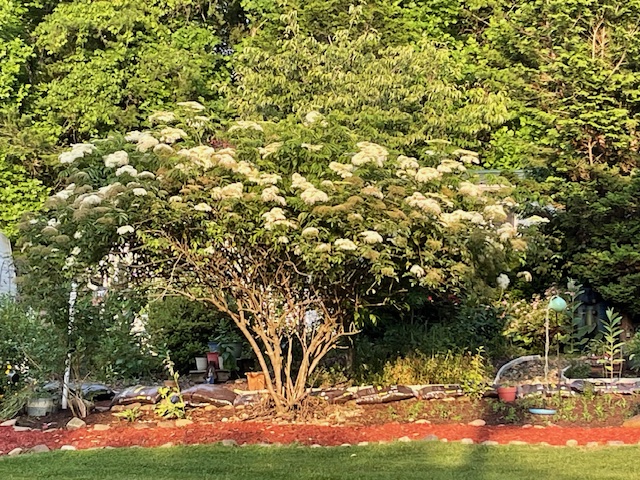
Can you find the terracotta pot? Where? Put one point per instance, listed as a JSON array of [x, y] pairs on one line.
[[255, 381], [507, 394]]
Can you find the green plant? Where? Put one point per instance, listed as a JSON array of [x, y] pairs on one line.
[[130, 414], [578, 369], [611, 344], [171, 404]]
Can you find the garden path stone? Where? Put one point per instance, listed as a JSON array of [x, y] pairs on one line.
[[478, 423], [39, 449], [75, 423], [14, 452], [572, 443]]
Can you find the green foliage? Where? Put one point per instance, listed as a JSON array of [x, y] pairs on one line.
[[468, 369], [130, 414], [182, 327], [401, 96]]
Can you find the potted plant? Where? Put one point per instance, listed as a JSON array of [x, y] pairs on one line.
[[230, 342], [507, 392]]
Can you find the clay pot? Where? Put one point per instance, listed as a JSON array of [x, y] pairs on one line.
[[507, 394]]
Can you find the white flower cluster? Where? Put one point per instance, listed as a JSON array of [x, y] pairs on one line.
[[427, 205], [116, 159], [310, 194], [191, 105], [314, 117], [270, 149], [371, 237], [449, 166], [172, 135], [246, 125], [417, 271], [506, 232], [144, 140], [457, 217], [467, 156], [312, 147], [276, 217], [343, 169], [370, 153], [495, 213], [270, 194], [372, 191], [469, 189], [124, 230], [233, 190], [127, 170], [78, 150], [345, 244], [66, 193], [161, 117]]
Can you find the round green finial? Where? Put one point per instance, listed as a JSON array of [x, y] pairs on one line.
[[557, 304]]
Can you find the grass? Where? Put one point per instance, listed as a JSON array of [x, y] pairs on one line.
[[417, 460]]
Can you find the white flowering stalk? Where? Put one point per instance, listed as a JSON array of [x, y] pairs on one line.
[[449, 166], [116, 159], [506, 232], [469, 189], [372, 191], [495, 213], [139, 192], [202, 207], [417, 271], [276, 217], [310, 232]]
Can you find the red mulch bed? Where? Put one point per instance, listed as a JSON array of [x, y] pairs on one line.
[[125, 435]]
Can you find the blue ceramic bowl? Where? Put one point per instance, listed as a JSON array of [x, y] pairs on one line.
[[542, 411]]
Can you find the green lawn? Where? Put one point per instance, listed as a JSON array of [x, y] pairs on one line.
[[417, 460]]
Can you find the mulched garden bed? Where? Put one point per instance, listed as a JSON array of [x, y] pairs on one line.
[[597, 419]]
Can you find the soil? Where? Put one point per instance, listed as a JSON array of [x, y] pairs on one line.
[[596, 419]]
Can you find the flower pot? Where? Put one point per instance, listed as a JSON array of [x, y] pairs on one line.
[[235, 348], [201, 363], [39, 407], [214, 347], [507, 394], [255, 381]]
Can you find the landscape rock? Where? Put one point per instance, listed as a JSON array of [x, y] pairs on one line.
[[100, 427], [345, 445], [490, 442], [166, 424], [431, 438], [39, 449], [228, 442], [75, 423], [633, 422], [167, 445], [315, 445], [16, 428], [183, 422], [404, 439], [517, 442], [9, 423], [68, 447], [478, 423], [615, 443], [572, 443], [422, 421], [14, 452], [467, 441], [363, 444], [592, 444]]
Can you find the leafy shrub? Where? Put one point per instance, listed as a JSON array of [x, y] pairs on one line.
[[183, 327], [466, 368]]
